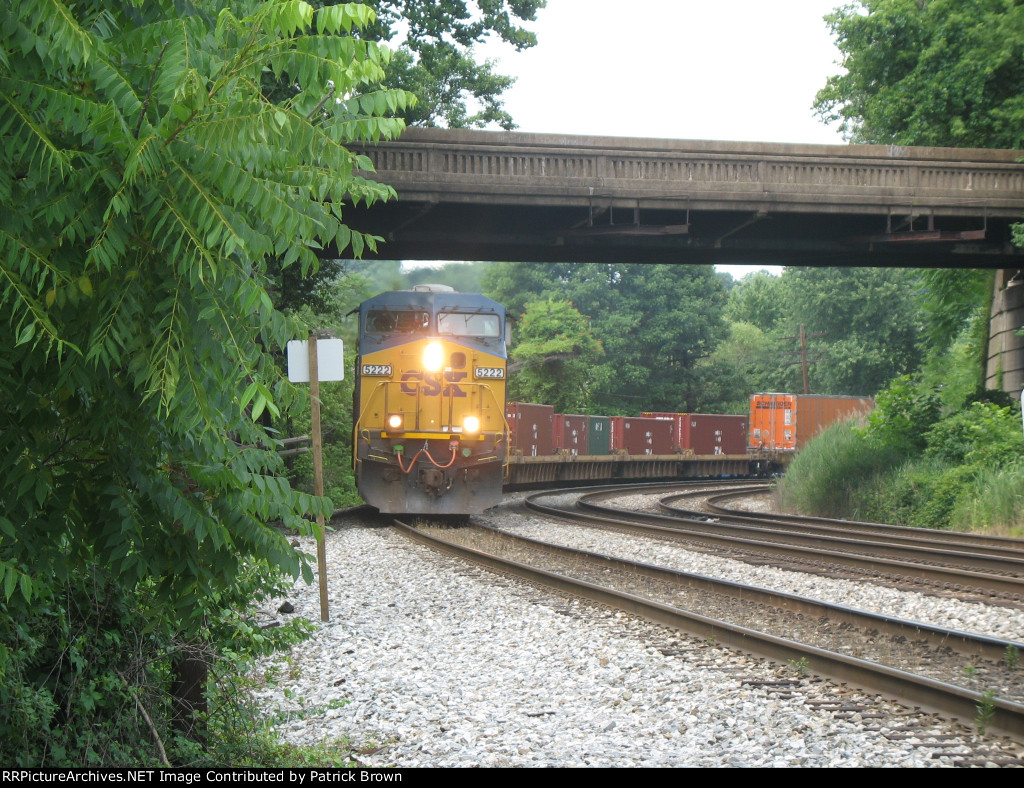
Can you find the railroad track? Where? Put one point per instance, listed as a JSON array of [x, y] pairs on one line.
[[984, 568], [967, 677]]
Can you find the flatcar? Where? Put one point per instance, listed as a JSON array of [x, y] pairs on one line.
[[430, 435]]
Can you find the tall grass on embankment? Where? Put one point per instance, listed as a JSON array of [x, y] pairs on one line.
[[829, 476], [845, 472], [995, 504]]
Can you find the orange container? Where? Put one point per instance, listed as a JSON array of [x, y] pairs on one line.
[[785, 422]]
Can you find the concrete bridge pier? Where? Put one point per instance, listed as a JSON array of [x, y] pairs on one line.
[[1005, 368]]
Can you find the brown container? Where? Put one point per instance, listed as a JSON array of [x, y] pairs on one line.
[[680, 428], [531, 427], [637, 435], [712, 433], [706, 433], [571, 434], [785, 422]]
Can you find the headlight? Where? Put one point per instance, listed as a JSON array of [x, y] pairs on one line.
[[395, 421], [471, 424], [433, 357]]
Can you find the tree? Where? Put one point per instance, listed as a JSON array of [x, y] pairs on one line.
[[869, 323], [929, 72], [656, 322], [554, 354], [146, 180], [740, 366], [436, 60], [760, 299]]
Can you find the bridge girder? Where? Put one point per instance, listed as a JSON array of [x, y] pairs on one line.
[[472, 195]]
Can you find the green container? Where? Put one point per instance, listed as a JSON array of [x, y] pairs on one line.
[[599, 436]]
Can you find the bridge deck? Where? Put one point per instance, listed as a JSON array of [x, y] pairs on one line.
[[504, 195]]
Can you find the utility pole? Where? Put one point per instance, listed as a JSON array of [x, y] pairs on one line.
[[803, 336]]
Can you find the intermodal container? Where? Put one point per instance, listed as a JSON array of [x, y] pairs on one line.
[[637, 435], [706, 433], [785, 422], [680, 428], [712, 433], [599, 435], [531, 427], [571, 433]]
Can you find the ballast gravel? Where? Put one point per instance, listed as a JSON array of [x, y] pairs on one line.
[[429, 662], [992, 620]]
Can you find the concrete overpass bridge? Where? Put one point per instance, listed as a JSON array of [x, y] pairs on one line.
[[475, 195]]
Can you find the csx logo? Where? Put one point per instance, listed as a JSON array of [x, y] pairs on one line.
[[432, 384]]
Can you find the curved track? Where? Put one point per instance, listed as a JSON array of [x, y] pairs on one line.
[[975, 568], [911, 661]]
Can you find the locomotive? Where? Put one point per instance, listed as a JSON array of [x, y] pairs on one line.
[[430, 435]]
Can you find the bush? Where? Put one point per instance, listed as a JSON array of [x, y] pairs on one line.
[[903, 413], [984, 434], [827, 477]]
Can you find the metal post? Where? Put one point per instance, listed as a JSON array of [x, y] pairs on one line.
[[318, 474]]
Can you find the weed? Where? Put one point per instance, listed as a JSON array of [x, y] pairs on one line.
[[986, 709], [800, 666], [1012, 657], [970, 673]]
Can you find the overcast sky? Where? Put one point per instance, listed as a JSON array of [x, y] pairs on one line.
[[675, 69]]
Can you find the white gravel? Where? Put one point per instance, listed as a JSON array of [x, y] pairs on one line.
[[994, 621], [445, 665]]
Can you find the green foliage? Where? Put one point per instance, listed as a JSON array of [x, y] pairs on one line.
[[868, 320], [146, 182], [986, 709], [738, 367], [964, 471], [950, 298], [828, 476], [938, 73], [903, 413], [82, 707], [983, 435], [332, 316], [938, 495], [800, 667], [656, 324], [553, 357], [453, 90], [760, 299], [994, 502], [436, 61], [954, 370], [861, 326]]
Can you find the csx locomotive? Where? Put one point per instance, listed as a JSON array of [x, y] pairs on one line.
[[430, 434]]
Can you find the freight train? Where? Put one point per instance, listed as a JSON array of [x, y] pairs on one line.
[[433, 433], [429, 402], [547, 447]]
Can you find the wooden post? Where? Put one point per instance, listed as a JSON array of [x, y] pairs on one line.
[[318, 474], [803, 358]]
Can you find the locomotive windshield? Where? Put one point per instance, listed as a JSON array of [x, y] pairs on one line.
[[387, 321], [468, 324]]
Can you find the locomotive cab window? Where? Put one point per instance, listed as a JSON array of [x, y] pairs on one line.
[[468, 324], [386, 321]]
